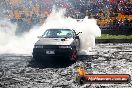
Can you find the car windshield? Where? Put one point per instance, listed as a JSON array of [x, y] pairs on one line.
[[58, 33]]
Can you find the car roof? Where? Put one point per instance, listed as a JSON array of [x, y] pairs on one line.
[[60, 28]]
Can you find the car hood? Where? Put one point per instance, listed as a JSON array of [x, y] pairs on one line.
[[54, 41]]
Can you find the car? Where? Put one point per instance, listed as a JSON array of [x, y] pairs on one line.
[[57, 42]]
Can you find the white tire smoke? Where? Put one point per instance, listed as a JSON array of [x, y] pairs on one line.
[[12, 44]]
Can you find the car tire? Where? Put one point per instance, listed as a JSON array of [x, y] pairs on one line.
[[73, 56], [36, 58]]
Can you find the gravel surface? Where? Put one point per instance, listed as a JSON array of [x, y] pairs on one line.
[[20, 71]]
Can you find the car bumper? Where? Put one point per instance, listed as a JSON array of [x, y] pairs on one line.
[[54, 54]]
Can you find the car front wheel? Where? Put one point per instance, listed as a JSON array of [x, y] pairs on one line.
[[73, 55]]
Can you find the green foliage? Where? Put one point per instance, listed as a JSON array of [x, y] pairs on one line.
[[107, 36]]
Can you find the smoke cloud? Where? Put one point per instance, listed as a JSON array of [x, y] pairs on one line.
[[12, 44]]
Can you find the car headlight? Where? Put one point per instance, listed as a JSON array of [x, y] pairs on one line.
[[65, 47], [38, 46]]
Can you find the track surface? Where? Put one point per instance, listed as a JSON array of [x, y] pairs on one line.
[[23, 72]]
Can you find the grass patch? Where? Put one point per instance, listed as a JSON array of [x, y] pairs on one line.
[[107, 36]]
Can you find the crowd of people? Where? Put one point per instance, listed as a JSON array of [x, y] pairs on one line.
[[110, 14], [116, 14]]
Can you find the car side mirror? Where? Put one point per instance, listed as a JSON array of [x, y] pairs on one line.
[[79, 33]]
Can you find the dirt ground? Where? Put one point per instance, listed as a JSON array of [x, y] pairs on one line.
[[20, 71]]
